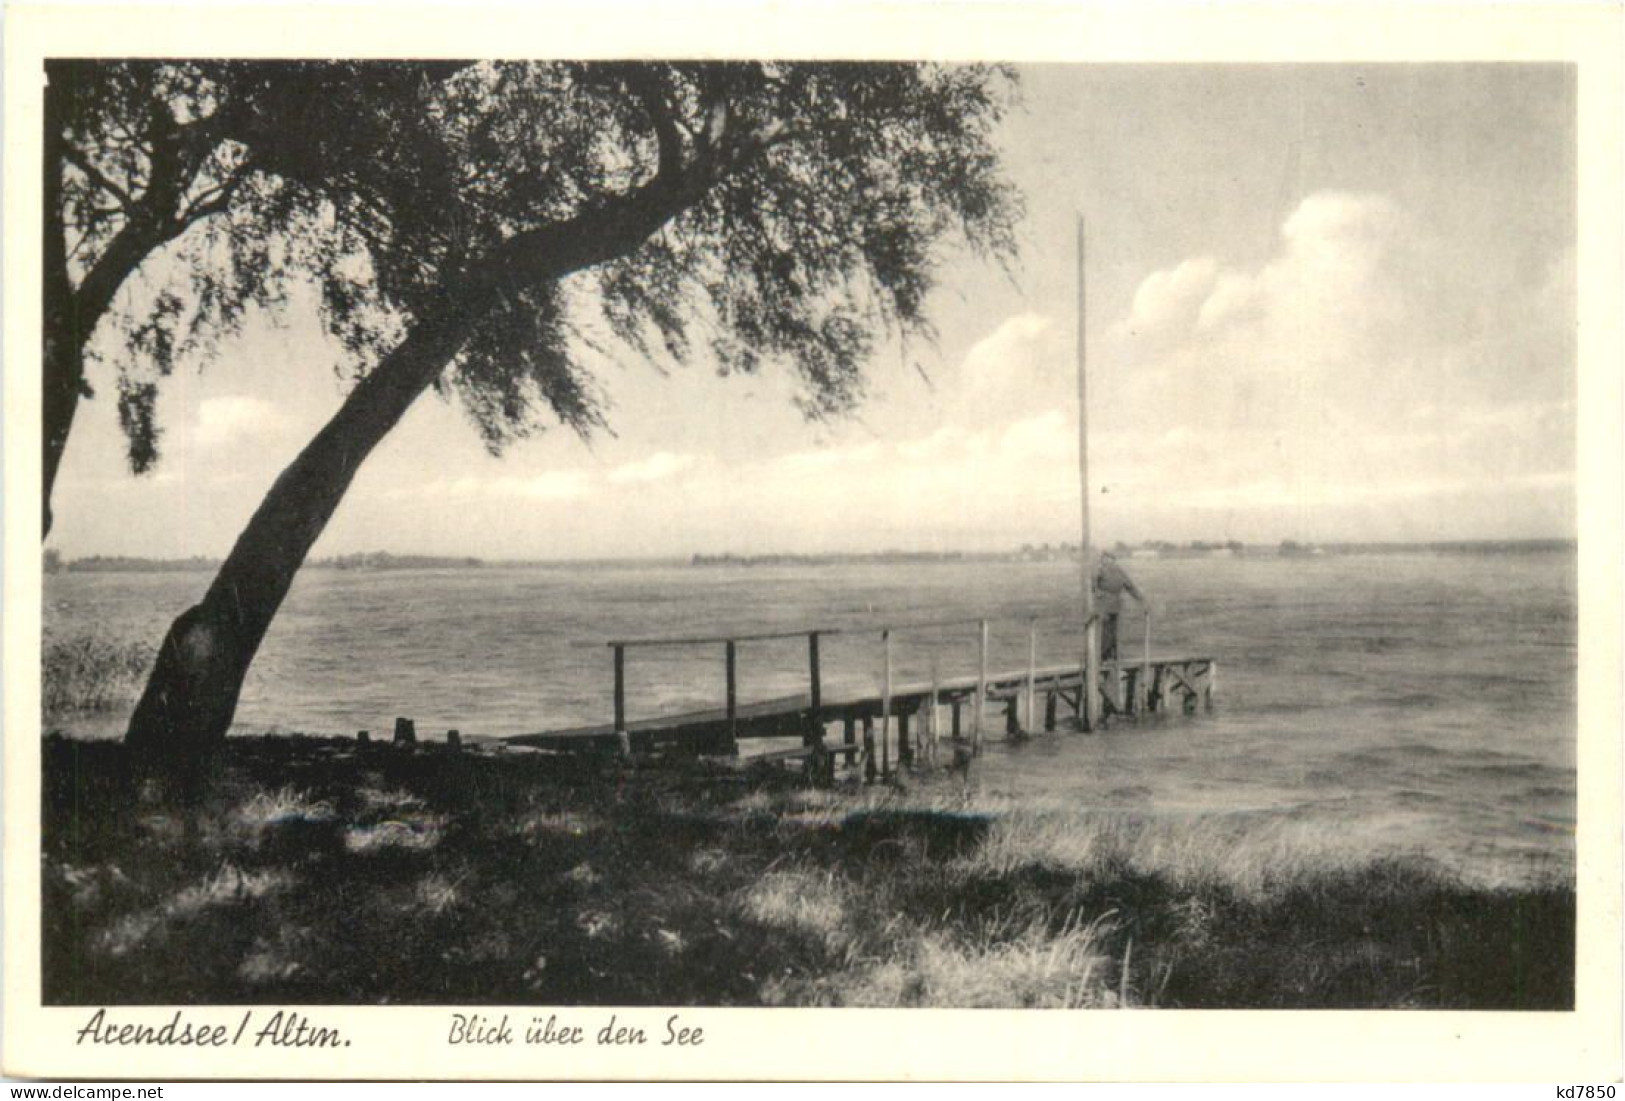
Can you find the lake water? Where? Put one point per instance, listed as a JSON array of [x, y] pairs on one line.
[[1422, 702]]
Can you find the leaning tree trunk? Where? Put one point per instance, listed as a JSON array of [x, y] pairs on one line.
[[62, 379], [191, 695], [61, 386]]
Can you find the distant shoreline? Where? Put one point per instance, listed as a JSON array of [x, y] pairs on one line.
[[383, 560]]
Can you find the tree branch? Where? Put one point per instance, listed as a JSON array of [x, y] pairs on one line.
[[216, 200], [640, 80], [618, 225], [95, 175]]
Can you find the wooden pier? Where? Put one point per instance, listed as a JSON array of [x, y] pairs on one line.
[[898, 725], [1094, 690]]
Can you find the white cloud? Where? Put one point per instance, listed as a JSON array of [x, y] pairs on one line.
[[1009, 351], [659, 466], [554, 485], [951, 484], [1168, 301], [943, 443], [1233, 296], [464, 491], [827, 459], [1014, 371], [1333, 220], [230, 420], [1355, 368], [1050, 436]]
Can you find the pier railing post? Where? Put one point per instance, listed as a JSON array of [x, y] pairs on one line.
[[981, 687], [1089, 690], [1031, 715], [813, 677], [620, 700], [733, 694], [885, 707], [933, 734], [868, 749], [819, 764], [1142, 689]]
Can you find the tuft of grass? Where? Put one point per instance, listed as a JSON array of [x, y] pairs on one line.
[[227, 886], [91, 672], [437, 894], [266, 809], [411, 832], [799, 901], [386, 801], [1250, 857], [1038, 968]]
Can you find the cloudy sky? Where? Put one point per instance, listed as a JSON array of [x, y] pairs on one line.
[[1325, 303]]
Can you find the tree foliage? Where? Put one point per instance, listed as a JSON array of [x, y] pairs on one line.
[[199, 177], [387, 183]]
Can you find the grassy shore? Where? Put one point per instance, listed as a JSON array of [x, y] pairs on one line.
[[321, 871]]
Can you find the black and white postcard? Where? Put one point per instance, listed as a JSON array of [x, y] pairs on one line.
[[595, 543]]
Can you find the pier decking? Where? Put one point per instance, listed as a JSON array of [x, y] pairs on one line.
[[895, 724]]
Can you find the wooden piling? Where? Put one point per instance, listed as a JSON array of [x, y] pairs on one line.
[[815, 715], [869, 749], [931, 714], [620, 689], [820, 766], [622, 736], [364, 737], [813, 677], [1032, 674], [1143, 687], [733, 691], [905, 748], [1049, 711], [406, 732], [955, 708], [981, 686], [454, 739], [1089, 696], [849, 735], [885, 709]]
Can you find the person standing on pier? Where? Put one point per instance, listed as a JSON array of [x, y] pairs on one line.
[[1111, 582]]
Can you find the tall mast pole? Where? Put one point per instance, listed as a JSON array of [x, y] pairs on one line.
[[1089, 702]]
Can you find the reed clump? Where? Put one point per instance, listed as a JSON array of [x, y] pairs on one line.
[[318, 870], [91, 671]]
